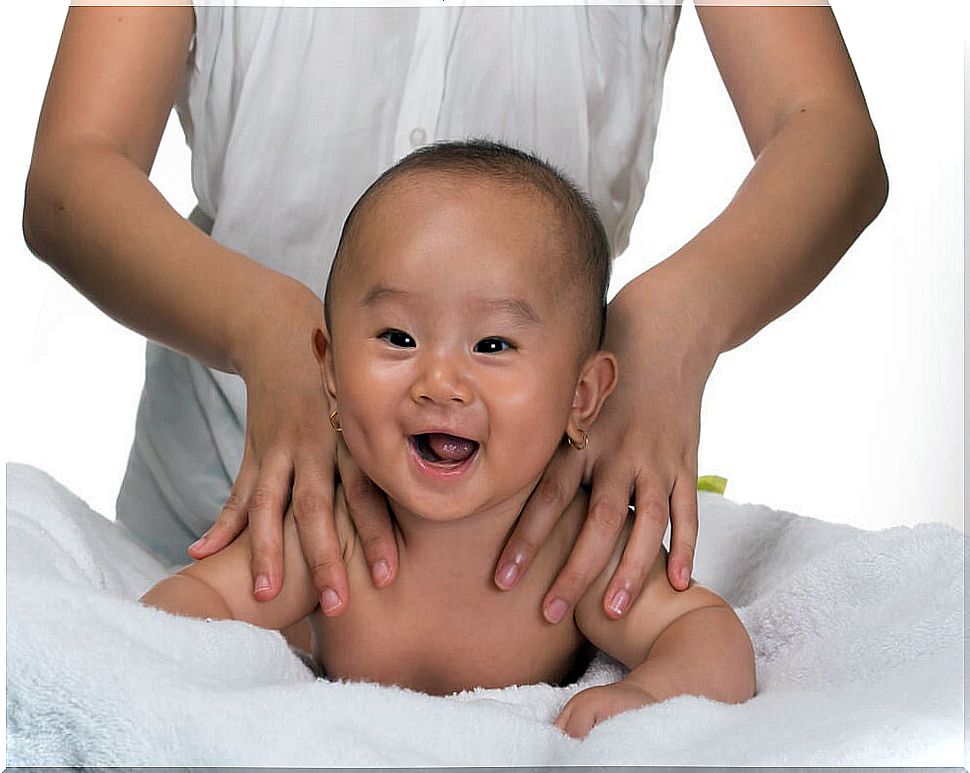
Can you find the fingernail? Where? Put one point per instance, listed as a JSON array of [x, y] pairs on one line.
[[262, 583], [507, 574], [380, 571], [556, 610], [330, 600], [619, 602], [684, 575], [198, 543]]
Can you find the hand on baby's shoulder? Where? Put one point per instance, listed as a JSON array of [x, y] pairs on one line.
[[594, 604], [630, 637], [347, 535], [221, 585]]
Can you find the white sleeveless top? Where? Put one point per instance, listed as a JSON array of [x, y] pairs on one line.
[[291, 113]]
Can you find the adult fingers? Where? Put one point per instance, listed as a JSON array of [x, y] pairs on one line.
[[313, 511], [683, 530], [608, 508], [556, 489], [232, 518], [368, 510], [649, 525], [267, 503]]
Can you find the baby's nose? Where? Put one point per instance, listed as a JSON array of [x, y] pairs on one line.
[[442, 381]]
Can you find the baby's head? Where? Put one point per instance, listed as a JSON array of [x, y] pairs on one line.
[[465, 309]]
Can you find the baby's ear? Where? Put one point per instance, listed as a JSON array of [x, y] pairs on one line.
[[597, 379], [323, 351]]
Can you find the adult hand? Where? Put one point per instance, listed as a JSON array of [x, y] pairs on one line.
[[642, 450], [290, 454]]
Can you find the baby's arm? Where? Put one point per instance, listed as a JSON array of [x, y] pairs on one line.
[[221, 586], [675, 643]]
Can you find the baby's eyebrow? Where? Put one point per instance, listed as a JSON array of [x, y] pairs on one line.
[[518, 308], [515, 307], [379, 293]]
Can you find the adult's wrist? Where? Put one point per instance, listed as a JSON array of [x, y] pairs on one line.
[[664, 306], [279, 314]]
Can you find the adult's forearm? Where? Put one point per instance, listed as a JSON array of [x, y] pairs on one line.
[[94, 216], [813, 189]]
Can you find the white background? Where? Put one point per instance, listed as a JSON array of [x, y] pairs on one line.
[[849, 408]]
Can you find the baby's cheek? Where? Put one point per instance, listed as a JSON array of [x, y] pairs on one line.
[[367, 445], [529, 439]]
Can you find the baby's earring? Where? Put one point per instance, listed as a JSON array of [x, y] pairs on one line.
[[581, 446], [335, 422]]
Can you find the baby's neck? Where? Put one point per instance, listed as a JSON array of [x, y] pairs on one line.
[[470, 544]]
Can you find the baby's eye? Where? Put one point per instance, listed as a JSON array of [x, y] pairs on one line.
[[398, 338], [492, 346]]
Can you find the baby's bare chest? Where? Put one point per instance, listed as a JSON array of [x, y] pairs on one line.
[[443, 637]]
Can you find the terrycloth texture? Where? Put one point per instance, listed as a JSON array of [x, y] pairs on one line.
[[858, 635]]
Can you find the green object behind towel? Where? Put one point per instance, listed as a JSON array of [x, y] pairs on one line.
[[714, 483]]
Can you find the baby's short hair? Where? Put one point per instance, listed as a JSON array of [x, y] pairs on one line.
[[587, 246]]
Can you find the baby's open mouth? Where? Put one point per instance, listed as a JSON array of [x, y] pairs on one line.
[[443, 449]]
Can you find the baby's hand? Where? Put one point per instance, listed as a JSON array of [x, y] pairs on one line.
[[589, 707]]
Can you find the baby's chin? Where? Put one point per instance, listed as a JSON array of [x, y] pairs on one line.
[[441, 508]]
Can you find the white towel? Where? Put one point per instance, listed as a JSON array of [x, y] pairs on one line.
[[858, 637]]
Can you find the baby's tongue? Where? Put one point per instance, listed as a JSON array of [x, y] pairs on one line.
[[451, 448]]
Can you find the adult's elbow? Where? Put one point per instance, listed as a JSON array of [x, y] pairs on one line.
[[60, 170], [29, 221], [880, 184], [882, 187], [876, 179], [41, 211]]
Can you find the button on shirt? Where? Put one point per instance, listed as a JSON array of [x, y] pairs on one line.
[[418, 137], [290, 113]]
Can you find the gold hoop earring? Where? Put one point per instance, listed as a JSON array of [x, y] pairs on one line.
[[579, 446], [335, 422]]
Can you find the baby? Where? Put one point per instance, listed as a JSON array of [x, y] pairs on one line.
[[464, 315]]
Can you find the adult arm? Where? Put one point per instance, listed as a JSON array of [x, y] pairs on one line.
[[92, 214], [818, 180]]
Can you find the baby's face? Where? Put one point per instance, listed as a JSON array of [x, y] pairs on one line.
[[455, 356]]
